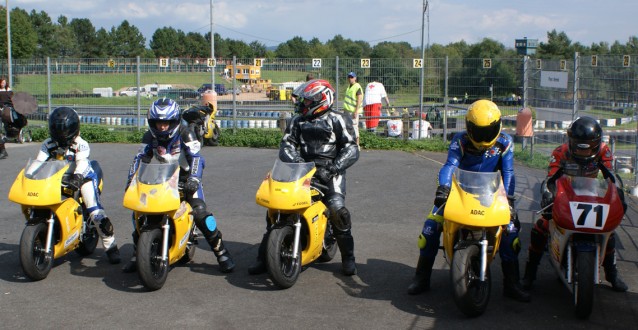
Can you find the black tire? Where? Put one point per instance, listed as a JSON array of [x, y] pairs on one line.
[[330, 246], [470, 294], [89, 242], [33, 259], [21, 137], [282, 267], [152, 270], [190, 249], [584, 284]]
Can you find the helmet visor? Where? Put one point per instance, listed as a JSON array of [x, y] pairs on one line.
[[484, 134], [584, 149]]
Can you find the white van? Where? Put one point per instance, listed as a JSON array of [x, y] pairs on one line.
[[152, 89]]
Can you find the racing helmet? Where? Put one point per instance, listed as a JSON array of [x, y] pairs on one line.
[[483, 122], [164, 110], [64, 126], [315, 98], [584, 136]]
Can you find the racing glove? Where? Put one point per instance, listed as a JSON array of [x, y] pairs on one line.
[[442, 192], [76, 181], [191, 185], [326, 173]]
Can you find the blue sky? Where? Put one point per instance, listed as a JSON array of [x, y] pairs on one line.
[[275, 21]]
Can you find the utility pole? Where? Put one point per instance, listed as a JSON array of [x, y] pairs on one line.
[[10, 73]]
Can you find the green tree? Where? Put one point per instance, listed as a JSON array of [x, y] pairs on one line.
[[165, 41], [102, 46], [23, 36], [65, 42], [259, 49], [558, 46], [293, 48], [127, 41], [195, 46], [86, 37], [44, 28]]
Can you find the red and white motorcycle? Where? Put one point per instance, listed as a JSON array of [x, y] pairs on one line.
[[586, 211]]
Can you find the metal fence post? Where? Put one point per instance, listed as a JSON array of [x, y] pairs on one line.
[[525, 79], [445, 107], [337, 83], [48, 84], [139, 101], [234, 104], [576, 68]]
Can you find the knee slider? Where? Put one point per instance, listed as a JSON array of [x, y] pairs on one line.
[[106, 226], [341, 220], [422, 242], [199, 209]]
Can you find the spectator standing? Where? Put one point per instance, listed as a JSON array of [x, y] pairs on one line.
[[374, 93], [5, 99], [353, 101]]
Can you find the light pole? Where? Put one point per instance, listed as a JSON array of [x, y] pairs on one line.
[[10, 82], [425, 8], [212, 48]]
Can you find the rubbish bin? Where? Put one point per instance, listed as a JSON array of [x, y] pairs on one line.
[[524, 127]]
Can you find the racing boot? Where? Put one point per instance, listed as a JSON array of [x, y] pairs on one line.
[[421, 281], [346, 246], [511, 286], [531, 267], [131, 265], [113, 253], [3, 151], [611, 273], [260, 266], [225, 260]]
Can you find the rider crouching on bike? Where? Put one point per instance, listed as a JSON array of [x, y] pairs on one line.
[[167, 140], [326, 137], [481, 148], [65, 143], [580, 156]]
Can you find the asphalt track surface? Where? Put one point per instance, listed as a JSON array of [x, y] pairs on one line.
[[389, 194]]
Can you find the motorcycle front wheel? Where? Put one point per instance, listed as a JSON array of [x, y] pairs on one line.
[[191, 246], [583, 286], [35, 263], [470, 294], [152, 270], [282, 267]]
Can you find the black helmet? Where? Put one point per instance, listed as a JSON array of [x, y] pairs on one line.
[[64, 126], [584, 139]]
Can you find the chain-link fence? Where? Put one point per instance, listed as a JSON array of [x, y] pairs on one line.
[[256, 92]]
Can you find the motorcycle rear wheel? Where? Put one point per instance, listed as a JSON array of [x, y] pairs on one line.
[[33, 259], [329, 245], [89, 241], [152, 270], [282, 267], [583, 286], [470, 294]]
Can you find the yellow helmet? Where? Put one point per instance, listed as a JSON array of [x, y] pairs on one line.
[[483, 122]]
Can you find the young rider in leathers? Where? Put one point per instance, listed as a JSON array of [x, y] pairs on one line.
[[167, 140], [481, 148], [65, 143], [326, 137], [580, 156]]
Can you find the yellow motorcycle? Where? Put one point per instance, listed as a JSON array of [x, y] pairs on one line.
[[163, 221], [301, 232], [476, 215], [57, 221]]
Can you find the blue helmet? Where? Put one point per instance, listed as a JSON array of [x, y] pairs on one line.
[[164, 110]]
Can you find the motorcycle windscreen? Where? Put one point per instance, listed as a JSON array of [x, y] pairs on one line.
[[287, 187], [587, 204], [154, 189], [39, 183], [477, 199]]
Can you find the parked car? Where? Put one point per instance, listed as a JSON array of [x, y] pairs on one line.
[[220, 89], [132, 91], [179, 93]]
